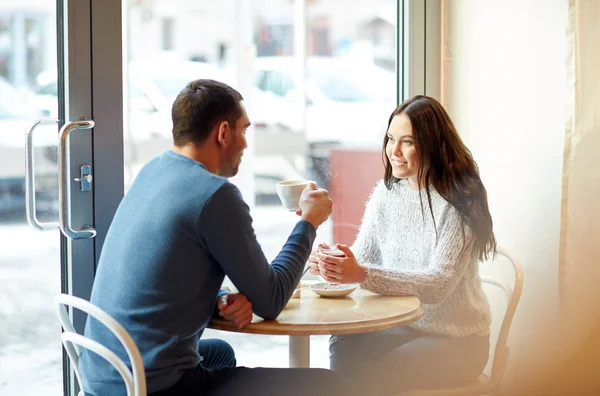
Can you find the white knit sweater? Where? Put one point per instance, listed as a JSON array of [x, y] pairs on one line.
[[397, 242]]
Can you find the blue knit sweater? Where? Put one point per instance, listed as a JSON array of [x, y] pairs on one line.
[[176, 234]]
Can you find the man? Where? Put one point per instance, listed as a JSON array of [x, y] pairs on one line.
[[179, 230]]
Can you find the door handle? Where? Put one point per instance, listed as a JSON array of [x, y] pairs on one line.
[[64, 186], [30, 207]]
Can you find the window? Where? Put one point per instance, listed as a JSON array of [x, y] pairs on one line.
[[277, 83], [13, 103], [348, 96], [350, 89], [168, 34]]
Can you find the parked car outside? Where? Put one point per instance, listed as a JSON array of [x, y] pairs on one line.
[[151, 90], [348, 103], [17, 116]]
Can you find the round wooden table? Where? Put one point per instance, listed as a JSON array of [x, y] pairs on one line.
[[359, 312]]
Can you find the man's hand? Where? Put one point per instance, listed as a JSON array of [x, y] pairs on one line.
[[315, 205], [236, 308]]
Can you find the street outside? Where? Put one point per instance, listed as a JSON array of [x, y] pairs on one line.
[[30, 348]]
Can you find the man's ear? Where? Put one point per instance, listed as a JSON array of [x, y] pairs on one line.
[[223, 132]]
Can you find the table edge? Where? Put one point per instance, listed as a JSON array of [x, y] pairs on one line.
[[270, 327]]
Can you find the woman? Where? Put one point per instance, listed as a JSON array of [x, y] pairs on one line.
[[425, 227]]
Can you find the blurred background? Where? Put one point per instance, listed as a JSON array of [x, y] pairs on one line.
[[320, 79]]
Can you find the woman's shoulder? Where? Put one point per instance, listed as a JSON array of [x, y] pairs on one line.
[[398, 189], [381, 191], [377, 197], [379, 187], [448, 218]]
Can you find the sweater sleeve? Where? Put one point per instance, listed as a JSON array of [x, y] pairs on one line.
[[221, 293], [365, 247], [450, 259], [226, 229]]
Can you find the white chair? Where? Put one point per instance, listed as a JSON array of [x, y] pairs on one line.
[[486, 385], [134, 382]]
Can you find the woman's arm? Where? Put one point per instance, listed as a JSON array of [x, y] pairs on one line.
[[451, 258], [365, 247]]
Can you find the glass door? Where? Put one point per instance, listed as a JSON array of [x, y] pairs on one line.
[[49, 236], [30, 260]]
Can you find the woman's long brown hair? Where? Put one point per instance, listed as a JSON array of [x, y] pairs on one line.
[[448, 166]]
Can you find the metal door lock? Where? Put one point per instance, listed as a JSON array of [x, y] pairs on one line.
[[85, 181]]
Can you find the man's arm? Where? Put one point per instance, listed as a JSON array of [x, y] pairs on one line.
[[226, 229]]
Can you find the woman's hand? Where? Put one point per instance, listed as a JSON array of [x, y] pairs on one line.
[[341, 269], [312, 259]]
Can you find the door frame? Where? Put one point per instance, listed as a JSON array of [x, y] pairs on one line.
[[89, 65], [90, 87]]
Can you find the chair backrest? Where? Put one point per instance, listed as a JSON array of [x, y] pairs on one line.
[[513, 296], [134, 382]]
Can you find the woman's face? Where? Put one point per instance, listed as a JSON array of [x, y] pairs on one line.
[[400, 150]]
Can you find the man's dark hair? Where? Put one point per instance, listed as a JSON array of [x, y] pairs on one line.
[[200, 106]]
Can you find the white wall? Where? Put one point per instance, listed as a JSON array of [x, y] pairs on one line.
[[581, 209], [505, 86]]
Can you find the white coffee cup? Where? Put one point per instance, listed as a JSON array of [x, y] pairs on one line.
[[289, 192]]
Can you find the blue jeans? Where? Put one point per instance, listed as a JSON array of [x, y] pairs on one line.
[[218, 375], [383, 363]]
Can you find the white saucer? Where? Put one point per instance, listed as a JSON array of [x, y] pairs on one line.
[[325, 289]]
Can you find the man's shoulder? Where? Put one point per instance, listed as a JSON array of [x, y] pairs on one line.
[[180, 174], [225, 206], [226, 194]]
